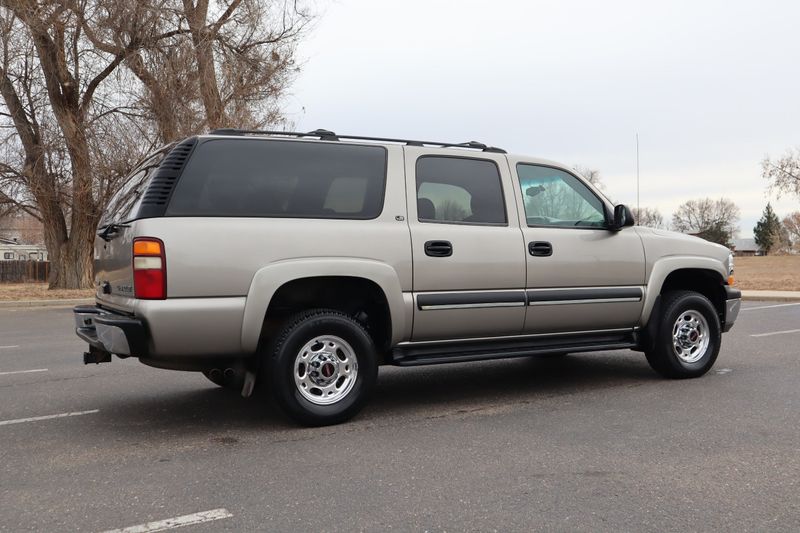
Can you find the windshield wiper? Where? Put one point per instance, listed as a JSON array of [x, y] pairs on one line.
[[108, 231]]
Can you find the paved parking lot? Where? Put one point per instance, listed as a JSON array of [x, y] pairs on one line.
[[585, 443]]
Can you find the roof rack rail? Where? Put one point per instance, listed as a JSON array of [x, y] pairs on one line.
[[327, 135]]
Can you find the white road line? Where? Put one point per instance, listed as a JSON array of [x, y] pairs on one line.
[[172, 523], [767, 307], [47, 417], [776, 333], [15, 346], [23, 371]]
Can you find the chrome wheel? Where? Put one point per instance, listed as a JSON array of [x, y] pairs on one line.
[[690, 336], [325, 370]]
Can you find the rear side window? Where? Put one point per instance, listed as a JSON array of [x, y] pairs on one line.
[[459, 190], [267, 178], [125, 203]]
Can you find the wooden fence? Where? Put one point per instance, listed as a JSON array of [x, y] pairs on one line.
[[24, 271]]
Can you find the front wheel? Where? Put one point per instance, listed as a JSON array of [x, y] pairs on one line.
[[688, 338], [322, 367]]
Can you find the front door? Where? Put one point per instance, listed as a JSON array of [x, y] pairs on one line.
[[469, 266], [581, 276]]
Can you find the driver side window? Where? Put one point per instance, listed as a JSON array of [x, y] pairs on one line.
[[553, 197]]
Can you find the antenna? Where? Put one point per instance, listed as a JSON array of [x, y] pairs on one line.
[[638, 207]]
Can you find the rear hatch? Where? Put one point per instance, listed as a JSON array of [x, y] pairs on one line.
[[145, 194]]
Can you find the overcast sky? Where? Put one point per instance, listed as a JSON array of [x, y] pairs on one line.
[[710, 86]]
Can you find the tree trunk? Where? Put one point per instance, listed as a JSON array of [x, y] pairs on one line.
[[203, 40], [74, 257], [72, 267]]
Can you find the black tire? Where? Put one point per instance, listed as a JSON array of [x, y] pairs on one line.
[[296, 333], [683, 306], [234, 382]]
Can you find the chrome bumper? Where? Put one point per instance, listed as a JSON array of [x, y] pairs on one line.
[[733, 304], [110, 332]]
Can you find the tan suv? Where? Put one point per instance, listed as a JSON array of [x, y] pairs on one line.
[[303, 261]]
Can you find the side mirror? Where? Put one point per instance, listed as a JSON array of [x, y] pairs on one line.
[[534, 191], [622, 217]]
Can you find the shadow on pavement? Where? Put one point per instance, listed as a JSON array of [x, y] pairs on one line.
[[401, 392]]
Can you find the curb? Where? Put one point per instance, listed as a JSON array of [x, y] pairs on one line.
[[46, 303], [748, 298], [772, 296]]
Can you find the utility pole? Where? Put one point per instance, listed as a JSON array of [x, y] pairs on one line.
[[638, 207]]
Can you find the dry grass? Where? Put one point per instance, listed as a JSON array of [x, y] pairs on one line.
[[774, 272], [39, 291]]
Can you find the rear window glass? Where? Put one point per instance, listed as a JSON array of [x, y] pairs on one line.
[[267, 178]]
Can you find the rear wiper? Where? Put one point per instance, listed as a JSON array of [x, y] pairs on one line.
[[109, 230]]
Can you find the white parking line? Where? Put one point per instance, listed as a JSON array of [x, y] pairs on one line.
[[776, 333], [15, 346], [767, 307], [172, 523], [23, 371], [46, 417]]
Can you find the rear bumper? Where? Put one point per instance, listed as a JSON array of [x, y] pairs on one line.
[[733, 303], [111, 332]]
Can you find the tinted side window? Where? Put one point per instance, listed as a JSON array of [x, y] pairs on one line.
[[268, 178], [125, 202], [456, 189], [553, 197]]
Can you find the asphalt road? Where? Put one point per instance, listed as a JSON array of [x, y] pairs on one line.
[[584, 443]]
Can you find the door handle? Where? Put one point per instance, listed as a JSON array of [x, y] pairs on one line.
[[540, 248], [438, 248]]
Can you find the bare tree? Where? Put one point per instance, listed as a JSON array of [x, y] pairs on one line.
[[54, 87], [783, 173], [648, 216], [791, 224], [591, 175], [715, 220], [88, 88], [205, 64]]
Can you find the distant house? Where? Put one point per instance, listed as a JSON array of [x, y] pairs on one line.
[[12, 250], [743, 247]]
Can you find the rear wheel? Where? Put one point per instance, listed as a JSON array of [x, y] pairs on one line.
[[322, 367], [688, 338]]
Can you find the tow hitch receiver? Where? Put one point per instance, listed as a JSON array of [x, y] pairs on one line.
[[96, 356]]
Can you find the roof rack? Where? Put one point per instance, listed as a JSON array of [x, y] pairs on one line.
[[326, 135]]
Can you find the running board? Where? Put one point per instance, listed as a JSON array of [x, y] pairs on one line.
[[430, 353]]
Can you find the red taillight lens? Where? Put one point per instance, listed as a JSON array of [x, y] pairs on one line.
[[149, 284], [149, 269]]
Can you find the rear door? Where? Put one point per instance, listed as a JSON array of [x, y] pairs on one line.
[[469, 266]]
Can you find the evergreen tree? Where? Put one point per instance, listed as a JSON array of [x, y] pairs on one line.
[[767, 230]]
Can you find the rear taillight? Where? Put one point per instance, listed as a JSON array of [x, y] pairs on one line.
[[149, 269]]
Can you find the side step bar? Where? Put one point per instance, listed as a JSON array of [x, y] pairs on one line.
[[448, 352]]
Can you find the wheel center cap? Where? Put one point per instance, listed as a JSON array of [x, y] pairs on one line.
[[693, 336], [327, 370]]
